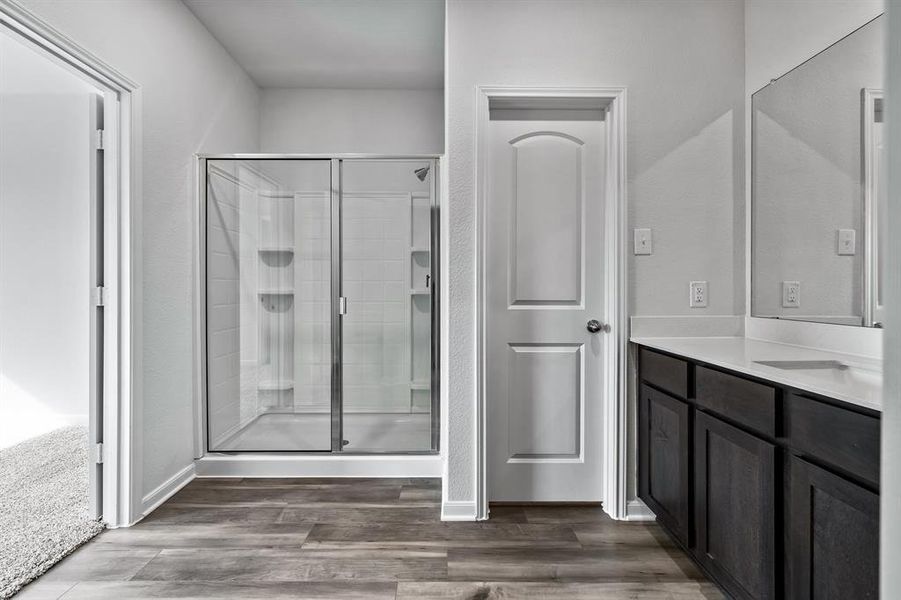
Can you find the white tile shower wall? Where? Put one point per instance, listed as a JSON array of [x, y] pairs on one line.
[[376, 242], [312, 300], [248, 312], [224, 294]]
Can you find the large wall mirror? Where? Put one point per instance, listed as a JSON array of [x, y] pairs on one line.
[[818, 189]]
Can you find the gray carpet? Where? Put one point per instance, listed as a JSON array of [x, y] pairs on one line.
[[44, 511]]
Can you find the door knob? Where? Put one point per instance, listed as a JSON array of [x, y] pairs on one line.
[[594, 326]]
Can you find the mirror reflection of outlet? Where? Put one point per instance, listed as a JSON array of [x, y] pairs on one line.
[[698, 294], [791, 294]]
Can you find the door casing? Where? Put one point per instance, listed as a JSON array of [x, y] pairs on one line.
[[616, 456], [119, 387]]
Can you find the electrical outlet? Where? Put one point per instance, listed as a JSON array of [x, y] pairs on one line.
[[847, 242], [644, 242], [698, 294], [791, 294]]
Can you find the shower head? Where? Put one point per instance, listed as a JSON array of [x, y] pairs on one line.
[[422, 173]]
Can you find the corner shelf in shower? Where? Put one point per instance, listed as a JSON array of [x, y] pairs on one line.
[[276, 292], [420, 385], [416, 250], [276, 250], [419, 292], [278, 385]]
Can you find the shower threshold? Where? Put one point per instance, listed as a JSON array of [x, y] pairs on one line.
[[364, 432]]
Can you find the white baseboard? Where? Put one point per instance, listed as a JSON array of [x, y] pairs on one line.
[[151, 501], [322, 465], [636, 510], [455, 510]]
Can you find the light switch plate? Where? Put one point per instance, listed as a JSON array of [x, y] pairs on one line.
[[698, 294], [643, 240], [791, 294], [847, 242]]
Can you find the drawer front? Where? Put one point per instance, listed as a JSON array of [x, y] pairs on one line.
[[843, 438], [746, 402], [665, 372]]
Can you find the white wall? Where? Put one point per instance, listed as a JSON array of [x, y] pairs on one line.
[[45, 237], [683, 65], [193, 98], [891, 415], [352, 120], [781, 34]]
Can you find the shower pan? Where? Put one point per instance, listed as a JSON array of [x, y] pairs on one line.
[[321, 291]]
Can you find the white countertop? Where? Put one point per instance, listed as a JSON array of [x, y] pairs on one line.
[[860, 383]]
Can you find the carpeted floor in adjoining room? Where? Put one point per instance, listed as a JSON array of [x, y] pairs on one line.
[[44, 504]]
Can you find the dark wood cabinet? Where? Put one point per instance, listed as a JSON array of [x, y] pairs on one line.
[[663, 457], [773, 491], [834, 541], [735, 507]]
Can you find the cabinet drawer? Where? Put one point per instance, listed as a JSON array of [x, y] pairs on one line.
[[665, 372], [746, 402], [843, 438]]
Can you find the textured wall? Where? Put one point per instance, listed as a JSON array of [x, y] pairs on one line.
[[683, 65], [890, 535], [195, 98], [352, 120]]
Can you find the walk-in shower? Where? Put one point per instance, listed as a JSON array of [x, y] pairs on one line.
[[320, 296]]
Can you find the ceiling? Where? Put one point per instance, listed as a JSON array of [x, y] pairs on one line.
[[389, 44]]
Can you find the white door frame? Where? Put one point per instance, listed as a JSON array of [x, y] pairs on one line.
[[122, 261], [614, 410]]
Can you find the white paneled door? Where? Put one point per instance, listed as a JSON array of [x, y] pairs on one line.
[[545, 310]]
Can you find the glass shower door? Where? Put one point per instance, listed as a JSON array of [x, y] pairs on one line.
[[268, 302], [387, 285]]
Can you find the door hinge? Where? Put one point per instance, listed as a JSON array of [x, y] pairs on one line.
[[99, 296], [342, 305], [98, 453], [98, 139]]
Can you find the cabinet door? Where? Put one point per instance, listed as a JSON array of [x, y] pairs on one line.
[[735, 479], [834, 541], [664, 441]]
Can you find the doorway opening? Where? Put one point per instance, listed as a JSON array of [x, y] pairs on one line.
[[552, 306], [59, 318]]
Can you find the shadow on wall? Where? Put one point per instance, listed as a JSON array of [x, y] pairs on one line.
[[701, 217], [24, 416]]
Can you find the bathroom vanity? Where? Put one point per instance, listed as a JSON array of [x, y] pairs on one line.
[[762, 461]]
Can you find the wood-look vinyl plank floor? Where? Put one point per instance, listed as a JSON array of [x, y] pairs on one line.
[[556, 591], [372, 539]]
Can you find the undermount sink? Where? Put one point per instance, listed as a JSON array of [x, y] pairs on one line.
[[803, 364], [833, 369]]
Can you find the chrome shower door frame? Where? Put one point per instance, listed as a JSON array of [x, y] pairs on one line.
[[336, 202]]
